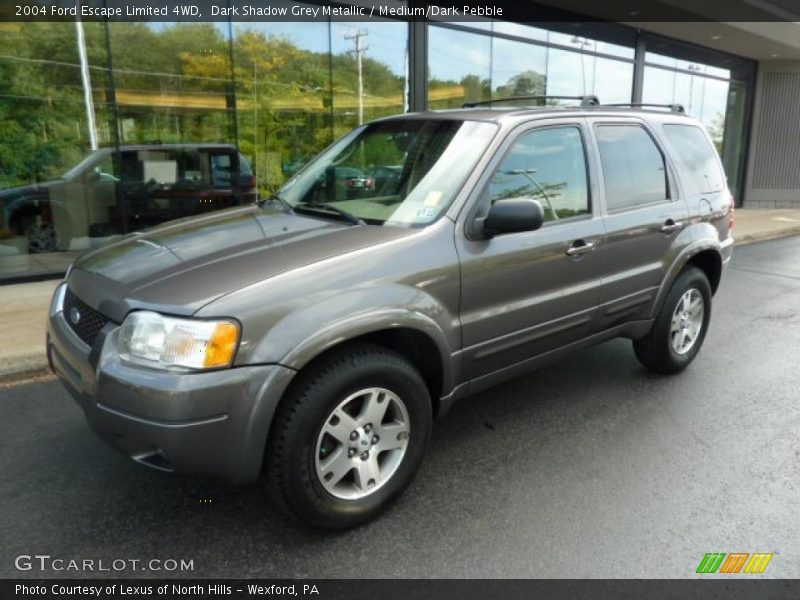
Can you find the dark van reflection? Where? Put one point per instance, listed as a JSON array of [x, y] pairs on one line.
[[118, 190]]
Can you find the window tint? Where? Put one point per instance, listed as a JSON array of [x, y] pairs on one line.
[[548, 165], [633, 167], [697, 157]]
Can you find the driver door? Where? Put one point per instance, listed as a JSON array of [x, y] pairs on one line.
[[524, 294]]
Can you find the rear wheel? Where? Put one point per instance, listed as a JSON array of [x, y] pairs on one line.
[[348, 437], [680, 327]]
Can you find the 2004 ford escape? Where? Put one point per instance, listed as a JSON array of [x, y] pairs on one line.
[[312, 338]]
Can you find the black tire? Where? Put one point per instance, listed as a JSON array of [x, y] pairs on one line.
[[291, 477], [655, 350]]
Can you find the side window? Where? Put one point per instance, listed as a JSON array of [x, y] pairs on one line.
[[633, 166], [697, 157], [548, 165], [221, 171]]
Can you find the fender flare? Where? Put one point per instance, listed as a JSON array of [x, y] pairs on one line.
[[372, 322], [678, 265]]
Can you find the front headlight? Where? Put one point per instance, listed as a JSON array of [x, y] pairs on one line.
[[148, 338]]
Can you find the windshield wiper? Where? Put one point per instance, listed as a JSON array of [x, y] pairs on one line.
[[348, 216]]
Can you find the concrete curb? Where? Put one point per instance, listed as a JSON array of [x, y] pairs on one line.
[[764, 236], [23, 366], [26, 377], [18, 369]]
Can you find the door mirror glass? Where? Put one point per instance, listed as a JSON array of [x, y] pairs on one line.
[[512, 215]]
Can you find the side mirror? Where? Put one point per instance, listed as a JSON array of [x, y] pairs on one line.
[[512, 215]]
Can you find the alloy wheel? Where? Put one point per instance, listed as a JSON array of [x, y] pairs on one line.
[[687, 321], [362, 443]]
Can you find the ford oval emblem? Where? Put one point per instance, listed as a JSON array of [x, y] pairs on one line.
[[74, 315]]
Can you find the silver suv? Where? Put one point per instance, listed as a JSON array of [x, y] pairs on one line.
[[309, 339]]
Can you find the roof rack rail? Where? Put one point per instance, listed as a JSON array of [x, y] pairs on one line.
[[676, 108], [585, 100]]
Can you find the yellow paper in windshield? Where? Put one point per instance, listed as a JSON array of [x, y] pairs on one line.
[[432, 199]]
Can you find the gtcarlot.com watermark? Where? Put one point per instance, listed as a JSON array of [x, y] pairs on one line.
[[45, 562]]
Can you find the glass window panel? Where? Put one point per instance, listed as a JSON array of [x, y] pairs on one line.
[[569, 73], [713, 112], [577, 74], [283, 96], [633, 167], [384, 82], [548, 165], [662, 86], [44, 131], [175, 88], [518, 69], [659, 86], [459, 67], [613, 80], [689, 92]]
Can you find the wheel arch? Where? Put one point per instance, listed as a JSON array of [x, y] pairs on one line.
[[425, 350], [704, 255], [710, 262]]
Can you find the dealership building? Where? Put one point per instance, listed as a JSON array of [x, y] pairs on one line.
[[108, 127]]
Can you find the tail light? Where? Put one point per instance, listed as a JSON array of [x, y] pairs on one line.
[[732, 215], [249, 181]]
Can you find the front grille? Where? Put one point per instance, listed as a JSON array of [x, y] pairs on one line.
[[89, 321]]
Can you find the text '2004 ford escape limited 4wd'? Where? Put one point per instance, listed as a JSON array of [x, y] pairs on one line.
[[312, 338]]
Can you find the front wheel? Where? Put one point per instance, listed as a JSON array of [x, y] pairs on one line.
[[348, 437], [680, 326]]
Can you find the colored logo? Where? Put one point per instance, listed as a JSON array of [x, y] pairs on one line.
[[735, 562]]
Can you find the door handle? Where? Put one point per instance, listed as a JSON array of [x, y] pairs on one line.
[[579, 248], [671, 226]]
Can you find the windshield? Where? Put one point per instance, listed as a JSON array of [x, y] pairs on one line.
[[404, 172]]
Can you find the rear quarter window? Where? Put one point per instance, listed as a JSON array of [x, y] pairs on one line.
[[700, 168]]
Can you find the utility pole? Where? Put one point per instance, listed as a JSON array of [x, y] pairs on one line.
[[87, 85], [360, 49]]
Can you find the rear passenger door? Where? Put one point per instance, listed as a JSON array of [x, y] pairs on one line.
[[644, 217]]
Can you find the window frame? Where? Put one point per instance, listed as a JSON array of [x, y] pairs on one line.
[[670, 184], [480, 192]]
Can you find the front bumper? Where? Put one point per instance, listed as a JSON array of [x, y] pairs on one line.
[[211, 423]]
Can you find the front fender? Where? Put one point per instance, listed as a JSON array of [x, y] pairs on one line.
[[305, 333]]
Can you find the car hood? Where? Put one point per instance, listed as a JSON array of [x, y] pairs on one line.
[[179, 267], [32, 191]]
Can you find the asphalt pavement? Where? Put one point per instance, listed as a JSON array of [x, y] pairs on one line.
[[591, 467]]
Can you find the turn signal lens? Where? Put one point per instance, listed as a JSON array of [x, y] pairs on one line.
[[221, 347]]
